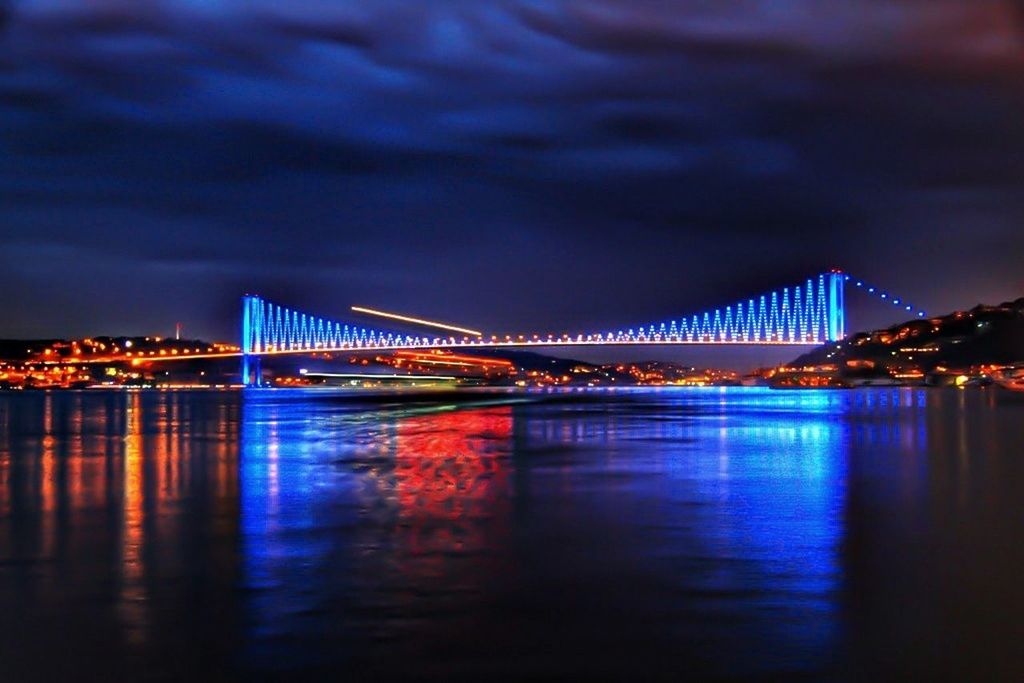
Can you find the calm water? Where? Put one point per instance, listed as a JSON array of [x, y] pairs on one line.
[[630, 534]]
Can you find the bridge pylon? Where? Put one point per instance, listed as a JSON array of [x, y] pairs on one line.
[[837, 305], [251, 370]]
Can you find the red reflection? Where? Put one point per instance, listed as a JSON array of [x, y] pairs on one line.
[[450, 480], [445, 464]]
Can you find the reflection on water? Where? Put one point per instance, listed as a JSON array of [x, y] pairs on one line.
[[132, 598], [712, 532], [119, 509]]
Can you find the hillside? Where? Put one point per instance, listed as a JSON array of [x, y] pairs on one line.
[[982, 336]]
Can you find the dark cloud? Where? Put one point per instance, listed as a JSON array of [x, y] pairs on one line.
[[515, 164]]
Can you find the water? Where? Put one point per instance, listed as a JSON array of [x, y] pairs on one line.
[[719, 533]]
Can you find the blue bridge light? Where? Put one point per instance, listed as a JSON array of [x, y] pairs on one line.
[[811, 313]]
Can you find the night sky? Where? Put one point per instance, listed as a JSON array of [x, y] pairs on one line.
[[511, 165]]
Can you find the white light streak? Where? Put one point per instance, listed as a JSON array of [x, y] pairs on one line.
[[418, 321]]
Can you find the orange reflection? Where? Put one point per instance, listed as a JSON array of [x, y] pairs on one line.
[[5, 461], [166, 454], [131, 603], [48, 479], [73, 453]]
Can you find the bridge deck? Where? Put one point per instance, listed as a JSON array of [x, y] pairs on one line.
[[533, 344]]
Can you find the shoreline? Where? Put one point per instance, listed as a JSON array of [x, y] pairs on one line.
[[408, 390]]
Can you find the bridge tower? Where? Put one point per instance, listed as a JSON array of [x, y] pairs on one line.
[[250, 370], [836, 305]]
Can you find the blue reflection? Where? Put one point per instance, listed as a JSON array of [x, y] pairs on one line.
[[733, 497], [703, 516], [744, 492]]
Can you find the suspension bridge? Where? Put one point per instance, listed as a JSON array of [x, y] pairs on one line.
[[808, 313]]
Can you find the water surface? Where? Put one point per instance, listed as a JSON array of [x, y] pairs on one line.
[[717, 533]]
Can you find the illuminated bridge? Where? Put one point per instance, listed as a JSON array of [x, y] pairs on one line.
[[810, 313]]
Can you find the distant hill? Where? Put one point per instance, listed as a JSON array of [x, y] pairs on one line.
[[984, 335], [20, 349]]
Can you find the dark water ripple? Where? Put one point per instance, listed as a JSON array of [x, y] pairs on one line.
[[722, 534]]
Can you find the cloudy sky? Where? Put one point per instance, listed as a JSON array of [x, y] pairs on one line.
[[516, 165]]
